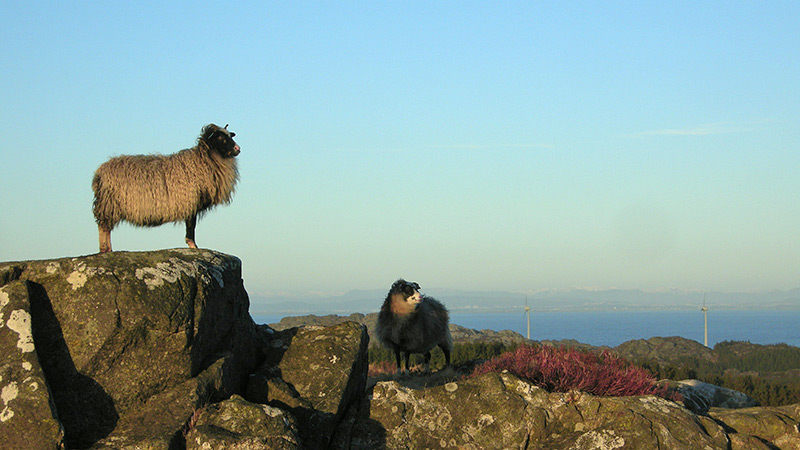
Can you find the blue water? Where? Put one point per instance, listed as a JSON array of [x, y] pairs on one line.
[[612, 328]]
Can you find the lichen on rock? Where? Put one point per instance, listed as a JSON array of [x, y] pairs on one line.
[[19, 321], [166, 272]]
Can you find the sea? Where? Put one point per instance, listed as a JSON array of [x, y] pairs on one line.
[[612, 328]]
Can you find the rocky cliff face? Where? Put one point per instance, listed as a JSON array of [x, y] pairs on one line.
[[157, 350], [98, 345]]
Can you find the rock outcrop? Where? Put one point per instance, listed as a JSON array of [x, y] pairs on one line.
[[237, 423], [317, 373], [770, 427], [120, 344], [157, 350], [504, 411], [699, 396]]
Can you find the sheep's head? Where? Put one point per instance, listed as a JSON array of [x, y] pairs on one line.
[[404, 297], [219, 139]]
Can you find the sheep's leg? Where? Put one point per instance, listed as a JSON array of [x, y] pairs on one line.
[[446, 351], [105, 238], [399, 358], [191, 223], [427, 361]]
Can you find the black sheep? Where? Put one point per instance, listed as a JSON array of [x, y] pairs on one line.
[[413, 323]]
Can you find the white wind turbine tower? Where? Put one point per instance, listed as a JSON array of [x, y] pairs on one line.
[[528, 314], [705, 319]]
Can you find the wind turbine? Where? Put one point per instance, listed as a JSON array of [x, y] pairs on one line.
[[705, 319], [528, 314]]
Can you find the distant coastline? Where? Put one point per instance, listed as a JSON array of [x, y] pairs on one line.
[[577, 300], [611, 328], [266, 309]]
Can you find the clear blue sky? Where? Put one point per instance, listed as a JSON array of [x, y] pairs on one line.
[[465, 145]]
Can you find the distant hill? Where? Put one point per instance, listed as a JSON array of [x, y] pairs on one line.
[[367, 301]]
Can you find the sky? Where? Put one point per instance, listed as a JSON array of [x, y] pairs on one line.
[[512, 146]]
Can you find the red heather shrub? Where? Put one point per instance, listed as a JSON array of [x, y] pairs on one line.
[[562, 370]]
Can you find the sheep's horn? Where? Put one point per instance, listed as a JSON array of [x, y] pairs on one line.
[[226, 126]]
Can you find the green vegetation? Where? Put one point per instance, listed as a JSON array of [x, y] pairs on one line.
[[772, 358], [768, 374]]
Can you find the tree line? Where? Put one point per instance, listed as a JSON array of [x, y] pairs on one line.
[[768, 374]]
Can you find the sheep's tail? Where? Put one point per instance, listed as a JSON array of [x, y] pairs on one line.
[[103, 205]]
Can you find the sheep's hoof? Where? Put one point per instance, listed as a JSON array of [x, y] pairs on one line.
[[191, 243]]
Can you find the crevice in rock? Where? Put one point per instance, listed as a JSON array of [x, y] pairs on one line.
[[115, 301]]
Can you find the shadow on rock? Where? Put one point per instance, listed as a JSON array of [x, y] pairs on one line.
[[358, 430], [85, 410]]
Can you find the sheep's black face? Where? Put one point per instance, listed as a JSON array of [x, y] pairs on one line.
[[403, 298], [221, 140], [225, 145], [409, 290]]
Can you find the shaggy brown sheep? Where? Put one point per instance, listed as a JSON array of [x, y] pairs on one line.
[[150, 190]]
